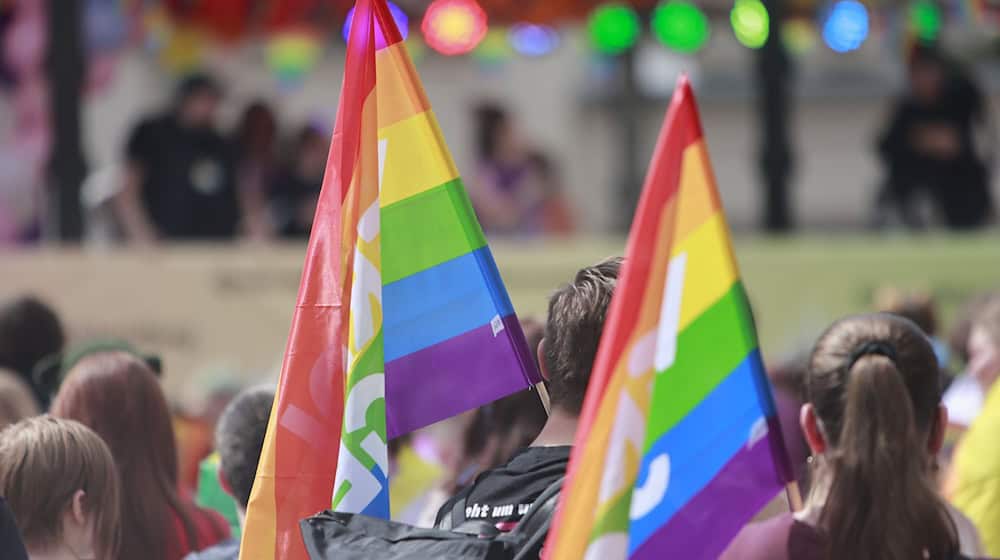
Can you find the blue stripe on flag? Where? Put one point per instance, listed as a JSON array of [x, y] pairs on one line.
[[442, 302], [700, 445]]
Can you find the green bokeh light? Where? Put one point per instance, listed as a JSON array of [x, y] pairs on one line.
[[751, 23], [613, 28], [925, 19], [680, 26]]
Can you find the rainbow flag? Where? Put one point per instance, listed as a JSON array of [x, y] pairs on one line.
[[673, 472], [402, 319]]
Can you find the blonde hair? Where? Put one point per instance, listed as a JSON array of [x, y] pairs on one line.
[[17, 402], [44, 461]]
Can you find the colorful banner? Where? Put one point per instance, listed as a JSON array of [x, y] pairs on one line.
[[676, 471], [429, 330]]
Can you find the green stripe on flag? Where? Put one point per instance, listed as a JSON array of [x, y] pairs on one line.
[[708, 350], [428, 229]]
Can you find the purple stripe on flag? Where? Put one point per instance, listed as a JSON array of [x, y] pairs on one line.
[[705, 526], [459, 374]]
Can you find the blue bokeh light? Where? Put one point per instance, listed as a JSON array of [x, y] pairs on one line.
[[846, 26], [530, 39]]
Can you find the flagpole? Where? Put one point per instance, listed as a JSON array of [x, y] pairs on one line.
[[794, 496], [543, 395]]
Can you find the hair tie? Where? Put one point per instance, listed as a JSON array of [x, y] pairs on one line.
[[869, 348]]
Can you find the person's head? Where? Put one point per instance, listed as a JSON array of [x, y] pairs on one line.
[[120, 398], [60, 481], [29, 332], [197, 99], [239, 437], [984, 344], [495, 136], [927, 73], [17, 402], [573, 332], [874, 420], [257, 131], [916, 306]]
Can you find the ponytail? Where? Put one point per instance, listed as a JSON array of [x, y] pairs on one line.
[[881, 504]]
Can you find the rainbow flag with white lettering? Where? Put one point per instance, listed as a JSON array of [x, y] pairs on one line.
[[678, 445], [402, 319]]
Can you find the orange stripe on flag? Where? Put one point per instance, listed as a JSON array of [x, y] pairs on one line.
[[400, 95]]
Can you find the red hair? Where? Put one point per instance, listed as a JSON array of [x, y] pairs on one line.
[[119, 397]]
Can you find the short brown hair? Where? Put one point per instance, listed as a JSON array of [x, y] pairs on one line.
[[44, 461], [573, 331]]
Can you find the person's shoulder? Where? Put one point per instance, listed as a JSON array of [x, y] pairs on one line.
[[764, 540]]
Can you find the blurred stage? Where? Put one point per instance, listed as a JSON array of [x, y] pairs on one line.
[[222, 312]]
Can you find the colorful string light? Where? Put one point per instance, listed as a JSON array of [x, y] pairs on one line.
[[846, 26], [454, 27], [751, 23], [613, 28], [680, 26], [529, 39], [925, 20]]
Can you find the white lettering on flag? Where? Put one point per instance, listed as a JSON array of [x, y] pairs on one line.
[[670, 314]]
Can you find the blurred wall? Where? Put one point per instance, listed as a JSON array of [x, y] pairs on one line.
[[553, 97]]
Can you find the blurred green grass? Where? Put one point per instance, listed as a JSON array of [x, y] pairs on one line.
[[797, 285]]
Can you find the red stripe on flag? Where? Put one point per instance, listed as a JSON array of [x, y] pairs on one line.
[[681, 129]]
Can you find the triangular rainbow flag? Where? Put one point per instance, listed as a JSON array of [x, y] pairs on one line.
[[674, 472], [402, 319]]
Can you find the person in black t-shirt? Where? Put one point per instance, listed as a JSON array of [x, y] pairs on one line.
[[501, 496], [930, 145], [180, 180]]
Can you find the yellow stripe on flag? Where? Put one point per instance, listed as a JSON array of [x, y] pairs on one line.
[[419, 164], [710, 270]]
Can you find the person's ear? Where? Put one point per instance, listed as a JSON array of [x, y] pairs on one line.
[[78, 507], [811, 429], [223, 482], [938, 429], [541, 360]]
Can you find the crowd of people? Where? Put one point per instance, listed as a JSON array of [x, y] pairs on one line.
[[183, 179], [90, 467]]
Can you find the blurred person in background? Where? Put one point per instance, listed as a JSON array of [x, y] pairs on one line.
[[295, 189], [30, 332], [964, 397], [504, 191], [62, 486], [17, 402], [974, 483], [255, 144], [239, 438], [920, 308], [547, 208], [180, 181], [874, 423], [120, 398], [932, 148]]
